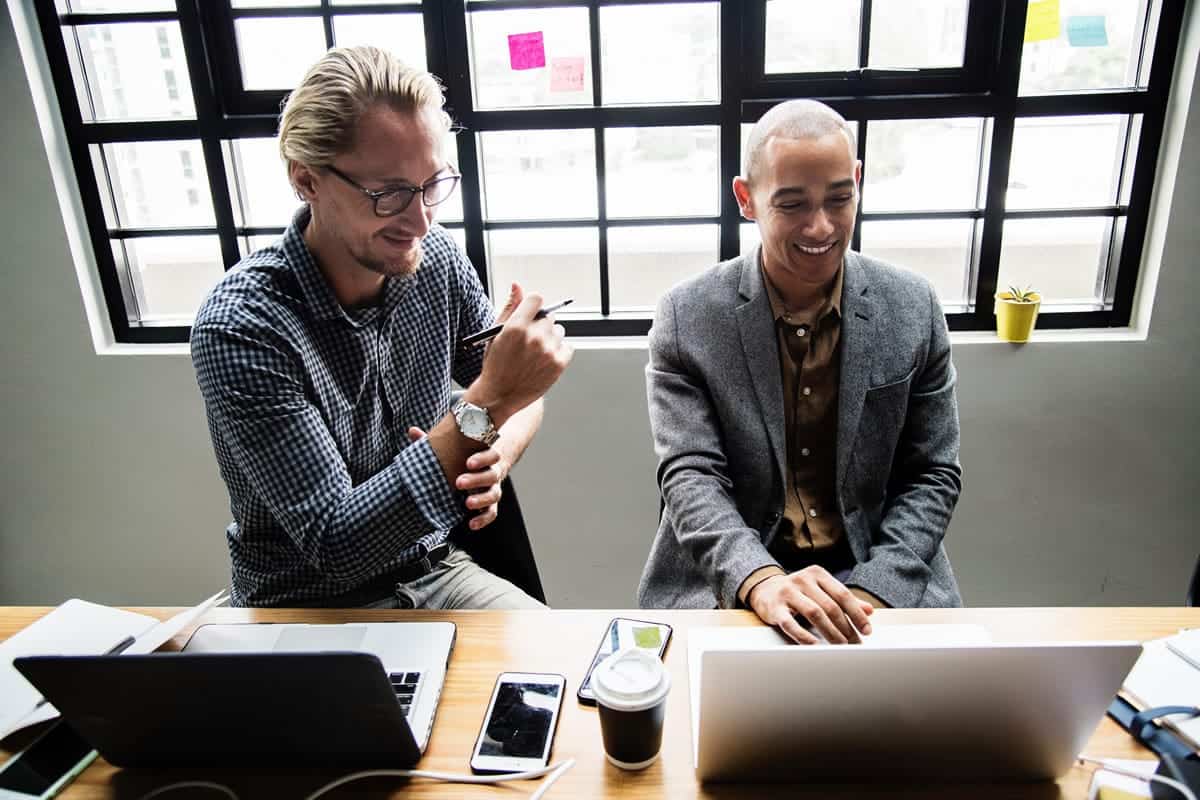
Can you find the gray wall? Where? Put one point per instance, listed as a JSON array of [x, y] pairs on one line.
[[1080, 458]]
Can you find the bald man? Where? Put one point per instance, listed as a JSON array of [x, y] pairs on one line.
[[803, 409]]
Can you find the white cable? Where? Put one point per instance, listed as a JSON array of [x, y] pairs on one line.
[[1141, 776], [551, 778], [170, 787], [454, 777]]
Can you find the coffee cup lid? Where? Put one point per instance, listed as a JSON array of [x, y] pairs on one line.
[[632, 679]]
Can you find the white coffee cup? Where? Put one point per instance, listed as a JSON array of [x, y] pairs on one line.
[[631, 688]]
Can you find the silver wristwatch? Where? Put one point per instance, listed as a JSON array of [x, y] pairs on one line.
[[474, 422]]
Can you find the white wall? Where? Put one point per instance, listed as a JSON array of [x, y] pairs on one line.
[[1080, 459]]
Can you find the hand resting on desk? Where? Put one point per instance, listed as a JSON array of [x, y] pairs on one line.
[[816, 596]]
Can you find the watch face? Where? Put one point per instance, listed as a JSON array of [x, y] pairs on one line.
[[473, 422]]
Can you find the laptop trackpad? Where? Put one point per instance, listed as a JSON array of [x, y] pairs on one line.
[[306, 639]]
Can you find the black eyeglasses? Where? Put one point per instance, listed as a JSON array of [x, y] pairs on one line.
[[389, 202]]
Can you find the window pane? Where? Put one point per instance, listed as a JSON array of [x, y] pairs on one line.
[[918, 33], [1061, 258], [921, 165], [459, 235], [557, 263], [1096, 48], [262, 196], [659, 172], [530, 58], [170, 275], [451, 209], [644, 262], [106, 6], [402, 34], [749, 237], [252, 244], [539, 174], [1064, 162], [811, 36], [157, 185], [274, 3], [129, 71], [938, 249], [686, 45], [276, 52], [375, 2]]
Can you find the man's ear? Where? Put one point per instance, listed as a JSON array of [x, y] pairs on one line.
[[741, 191], [303, 181]]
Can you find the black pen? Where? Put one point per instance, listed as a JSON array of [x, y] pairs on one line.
[[491, 333]]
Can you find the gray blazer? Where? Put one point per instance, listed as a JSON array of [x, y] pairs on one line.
[[716, 412]]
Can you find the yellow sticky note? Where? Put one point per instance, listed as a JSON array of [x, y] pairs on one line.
[[1042, 21]]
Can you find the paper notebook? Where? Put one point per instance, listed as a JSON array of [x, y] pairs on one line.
[[78, 627], [1167, 674]]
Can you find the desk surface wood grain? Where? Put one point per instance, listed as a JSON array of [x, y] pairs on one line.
[[490, 642]]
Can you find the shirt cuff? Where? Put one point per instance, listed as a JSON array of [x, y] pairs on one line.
[[421, 474], [754, 579]]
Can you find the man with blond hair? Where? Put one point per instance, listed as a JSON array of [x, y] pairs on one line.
[[803, 410], [325, 362]]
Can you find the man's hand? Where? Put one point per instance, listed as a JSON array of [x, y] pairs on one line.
[[815, 595], [485, 471], [523, 362]]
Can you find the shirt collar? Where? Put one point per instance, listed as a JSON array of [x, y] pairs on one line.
[[318, 294], [831, 304]]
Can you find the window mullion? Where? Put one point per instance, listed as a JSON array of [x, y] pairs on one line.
[[208, 117]]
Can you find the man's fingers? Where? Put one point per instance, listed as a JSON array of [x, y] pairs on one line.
[[481, 479], [484, 458], [816, 615], [415, 433], [487, 497], [486, 518], [529, 306], [515, 295], [794, 630], [851, 606]]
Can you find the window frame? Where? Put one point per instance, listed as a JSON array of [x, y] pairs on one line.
[[985, 86]]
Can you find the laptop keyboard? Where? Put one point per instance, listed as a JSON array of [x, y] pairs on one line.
[[405, 685]]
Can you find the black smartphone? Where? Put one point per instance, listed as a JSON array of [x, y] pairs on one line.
[[43, 768], [623, 632], [518, 728]]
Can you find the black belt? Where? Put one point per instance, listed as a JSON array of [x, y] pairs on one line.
[[406, 573], [384, 585]]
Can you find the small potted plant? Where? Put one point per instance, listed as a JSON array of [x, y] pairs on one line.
[[1016, 312]]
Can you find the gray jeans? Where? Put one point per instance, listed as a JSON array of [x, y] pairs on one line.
[[457, 582]]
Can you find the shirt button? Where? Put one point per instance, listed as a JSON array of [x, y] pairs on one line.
[[812, 512], [807, 390], [801, 331], [804, 451]]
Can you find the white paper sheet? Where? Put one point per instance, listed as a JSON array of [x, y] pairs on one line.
[[77, 627]]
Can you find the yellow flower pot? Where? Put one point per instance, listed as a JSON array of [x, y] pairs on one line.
[[1014, 320]]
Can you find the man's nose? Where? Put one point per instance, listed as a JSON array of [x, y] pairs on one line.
[[418, 216], [818, 226]]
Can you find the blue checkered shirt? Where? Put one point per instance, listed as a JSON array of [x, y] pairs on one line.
[[309, 405]]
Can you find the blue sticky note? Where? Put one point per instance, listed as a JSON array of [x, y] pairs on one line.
[[1087, 31]]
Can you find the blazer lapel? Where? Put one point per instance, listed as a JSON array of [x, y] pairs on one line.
[[760, 346], [858, 349]]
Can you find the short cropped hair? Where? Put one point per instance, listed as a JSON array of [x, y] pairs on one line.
[[794, 119], [319, 117]]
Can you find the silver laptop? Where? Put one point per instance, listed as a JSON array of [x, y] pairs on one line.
[[763, 710], [414, 654]]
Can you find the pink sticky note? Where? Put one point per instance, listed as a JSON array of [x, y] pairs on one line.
[[566, 74], [526, 50]]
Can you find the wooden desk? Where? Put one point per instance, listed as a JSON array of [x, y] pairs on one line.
[[490, 642]]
